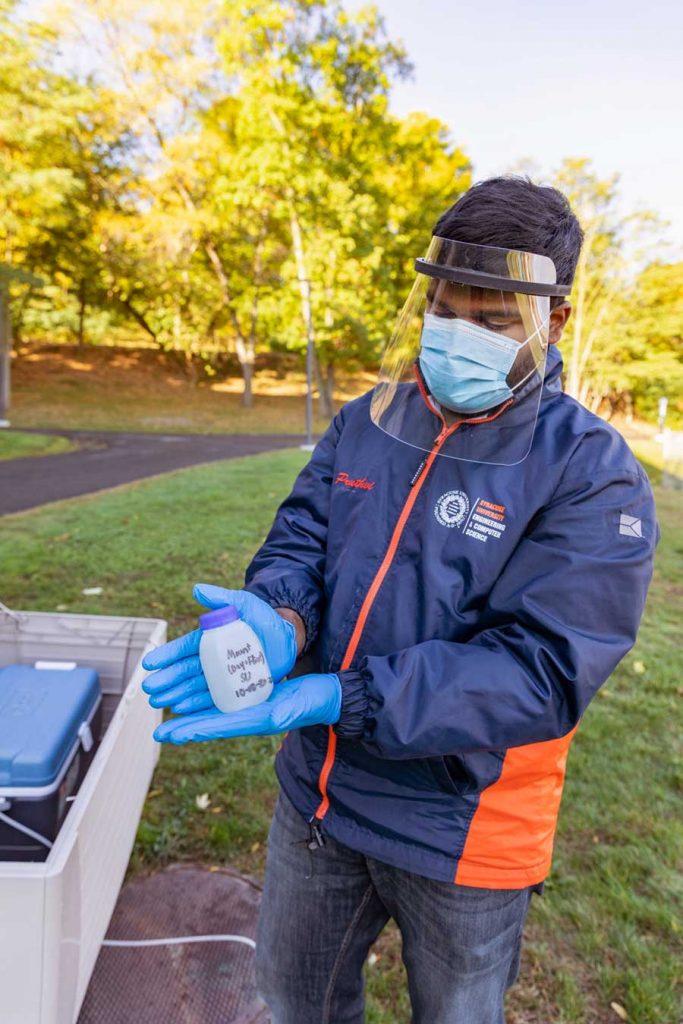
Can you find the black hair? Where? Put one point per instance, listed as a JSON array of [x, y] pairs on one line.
[[512, 213]]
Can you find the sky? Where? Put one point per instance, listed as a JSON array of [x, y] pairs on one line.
[[537, 80]]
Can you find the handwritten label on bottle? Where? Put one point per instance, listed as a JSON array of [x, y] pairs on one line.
[[250, 665]]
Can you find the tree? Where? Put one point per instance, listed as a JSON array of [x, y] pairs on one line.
[[62, 161], [596, 337], [313, 84], [650, 363], [261, 194]]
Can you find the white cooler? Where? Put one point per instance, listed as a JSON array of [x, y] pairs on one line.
[[54, 915]]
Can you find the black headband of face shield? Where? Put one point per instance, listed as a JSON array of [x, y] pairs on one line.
[[483, 280]]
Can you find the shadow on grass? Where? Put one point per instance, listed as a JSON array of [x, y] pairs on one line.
[[666, 477]]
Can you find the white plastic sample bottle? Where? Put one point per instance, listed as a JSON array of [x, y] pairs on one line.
[[232, 660]]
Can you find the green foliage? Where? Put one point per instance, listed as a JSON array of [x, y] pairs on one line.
[[60, 172], [623, 346], [650, 362], [232, 178], [250, 189]]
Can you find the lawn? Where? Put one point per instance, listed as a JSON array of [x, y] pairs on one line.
[[605, 932], [15, 444]]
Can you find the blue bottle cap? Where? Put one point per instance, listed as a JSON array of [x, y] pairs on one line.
[[219, 617]]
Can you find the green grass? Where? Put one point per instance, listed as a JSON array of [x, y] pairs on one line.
[[146, 544], [605, 931], [15, 445]]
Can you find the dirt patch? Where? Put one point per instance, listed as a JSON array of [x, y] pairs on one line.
[[145, 366], [125, 389]]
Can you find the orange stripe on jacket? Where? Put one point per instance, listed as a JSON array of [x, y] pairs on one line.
[[510, 839]]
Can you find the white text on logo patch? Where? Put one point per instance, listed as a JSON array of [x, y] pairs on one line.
[[487, 521], [452, 508]]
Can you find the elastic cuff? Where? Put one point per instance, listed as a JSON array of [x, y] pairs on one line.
[[354, 706], [281, 597]]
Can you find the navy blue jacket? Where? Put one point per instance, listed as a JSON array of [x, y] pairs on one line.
[[472, 612]]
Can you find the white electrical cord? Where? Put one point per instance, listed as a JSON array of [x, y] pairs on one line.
[[178, 940], [118, 943], [24, 828]]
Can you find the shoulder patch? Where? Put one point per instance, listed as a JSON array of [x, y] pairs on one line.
[[629, 526]]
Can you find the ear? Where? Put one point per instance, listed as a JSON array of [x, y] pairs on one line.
[[558, 319]]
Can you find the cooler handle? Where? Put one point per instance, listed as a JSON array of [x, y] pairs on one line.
[[86, 737]]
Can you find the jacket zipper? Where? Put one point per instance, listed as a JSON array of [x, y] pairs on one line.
[[316, 837], [415, 486]]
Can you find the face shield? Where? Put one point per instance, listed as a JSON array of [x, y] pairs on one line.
[[468, 353]]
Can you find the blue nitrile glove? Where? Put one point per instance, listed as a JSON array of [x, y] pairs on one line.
[[309, 700], [179, 682]]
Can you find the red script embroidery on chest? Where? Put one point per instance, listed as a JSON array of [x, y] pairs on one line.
[[362, 484]]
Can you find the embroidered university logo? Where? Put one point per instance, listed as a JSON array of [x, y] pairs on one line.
[[452, 508], [487, 521], [362, 484]]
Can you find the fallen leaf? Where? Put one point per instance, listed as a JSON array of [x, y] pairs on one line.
[[596, 839], [202, 801], [619, 1010], [154, 792], [372, 959], [638, 668], [216, 810], [255, 847]]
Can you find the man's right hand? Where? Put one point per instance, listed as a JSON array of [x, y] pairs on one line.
[[176, 678]]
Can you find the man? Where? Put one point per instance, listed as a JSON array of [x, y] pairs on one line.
[[464, 560]]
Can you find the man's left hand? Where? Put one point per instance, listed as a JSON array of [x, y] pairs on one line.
[[308, 700]]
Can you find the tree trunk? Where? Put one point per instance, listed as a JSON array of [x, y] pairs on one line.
[[306, 311], [191, 368], [246, 355], [5, 351], [325, 375], [139, 318], [247, 394], [245, 347], [17, 320], [329, 386], [81, 314]]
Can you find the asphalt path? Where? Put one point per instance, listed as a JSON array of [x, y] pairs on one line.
[[106, 459]]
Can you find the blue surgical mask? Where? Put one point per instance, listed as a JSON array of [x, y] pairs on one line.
[[466, 365]]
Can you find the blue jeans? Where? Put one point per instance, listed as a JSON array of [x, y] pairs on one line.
[[322, 909]]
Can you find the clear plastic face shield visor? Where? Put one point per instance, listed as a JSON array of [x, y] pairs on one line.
[[468, 353]]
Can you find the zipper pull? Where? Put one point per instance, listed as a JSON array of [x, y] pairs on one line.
[[316, 840], [418, 471]]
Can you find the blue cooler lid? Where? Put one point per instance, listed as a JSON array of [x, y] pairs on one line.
[[41, 711]]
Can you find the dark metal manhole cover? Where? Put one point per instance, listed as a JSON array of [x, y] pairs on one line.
[[200, 982]]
